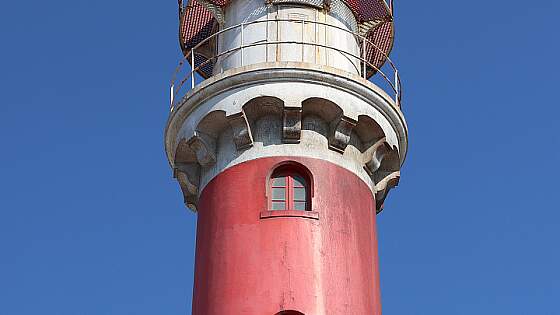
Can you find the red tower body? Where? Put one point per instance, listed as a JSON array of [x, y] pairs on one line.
[[248, 263], [286, 152]]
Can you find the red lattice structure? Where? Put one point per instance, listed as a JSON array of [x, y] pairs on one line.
[[197, 23]]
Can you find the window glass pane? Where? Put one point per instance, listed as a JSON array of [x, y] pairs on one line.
[[299, 194], [278, 205], [278, 193], [299, 206], [299, 181], [279, 181]]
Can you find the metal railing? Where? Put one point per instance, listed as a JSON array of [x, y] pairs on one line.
[[178, 83]]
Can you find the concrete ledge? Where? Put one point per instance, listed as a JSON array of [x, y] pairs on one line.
[[289, 214], [286, 72]]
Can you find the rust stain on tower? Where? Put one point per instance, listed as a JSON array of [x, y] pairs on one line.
[[286, 135]]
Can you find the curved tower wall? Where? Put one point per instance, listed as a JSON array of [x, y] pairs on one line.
[[333, 29], [249, 264]]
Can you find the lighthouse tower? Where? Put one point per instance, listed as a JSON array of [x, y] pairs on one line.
[[285, 136]]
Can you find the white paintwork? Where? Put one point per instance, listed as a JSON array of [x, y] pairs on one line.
[[293, 94], [256, 10]]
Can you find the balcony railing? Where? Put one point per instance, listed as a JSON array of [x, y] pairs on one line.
[[186, 79]]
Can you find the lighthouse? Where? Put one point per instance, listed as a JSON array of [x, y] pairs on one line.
[[285, 135]]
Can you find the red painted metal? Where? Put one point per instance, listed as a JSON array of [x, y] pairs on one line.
[[253, 265]]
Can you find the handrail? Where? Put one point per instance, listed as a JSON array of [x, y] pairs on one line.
[[395, 84], [241, 25]]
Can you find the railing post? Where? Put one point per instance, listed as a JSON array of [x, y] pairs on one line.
[[278, 48], [242, 50], [315, 42], [302, 40], [397, 90], [217, 52], [172, 94], [267, 26], [364, 69], [193, 66]]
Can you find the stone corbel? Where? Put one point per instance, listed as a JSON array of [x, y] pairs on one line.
[[384, 186], [205, 148], [188, 176], [382, 163], [291, 130], [341, 133], [241, 131], [374, 156]]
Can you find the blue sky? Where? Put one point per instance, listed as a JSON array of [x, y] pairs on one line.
[[91, 221]]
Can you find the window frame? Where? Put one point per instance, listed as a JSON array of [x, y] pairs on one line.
[[289, 170], [290, 186]]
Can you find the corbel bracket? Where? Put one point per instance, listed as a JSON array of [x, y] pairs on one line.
[[291, 130], [242, 136], [341, 133]]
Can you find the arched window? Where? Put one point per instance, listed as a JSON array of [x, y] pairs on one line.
[[289, 189]]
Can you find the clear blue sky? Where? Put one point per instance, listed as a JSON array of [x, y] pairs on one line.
[[91, 221]]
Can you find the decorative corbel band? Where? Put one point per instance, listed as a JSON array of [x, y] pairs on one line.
[[188, 177], [341, 133], [291, 130], [241, 131], [205, 148]]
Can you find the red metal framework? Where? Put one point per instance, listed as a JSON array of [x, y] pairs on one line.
[[371, 10], [198, 23]]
